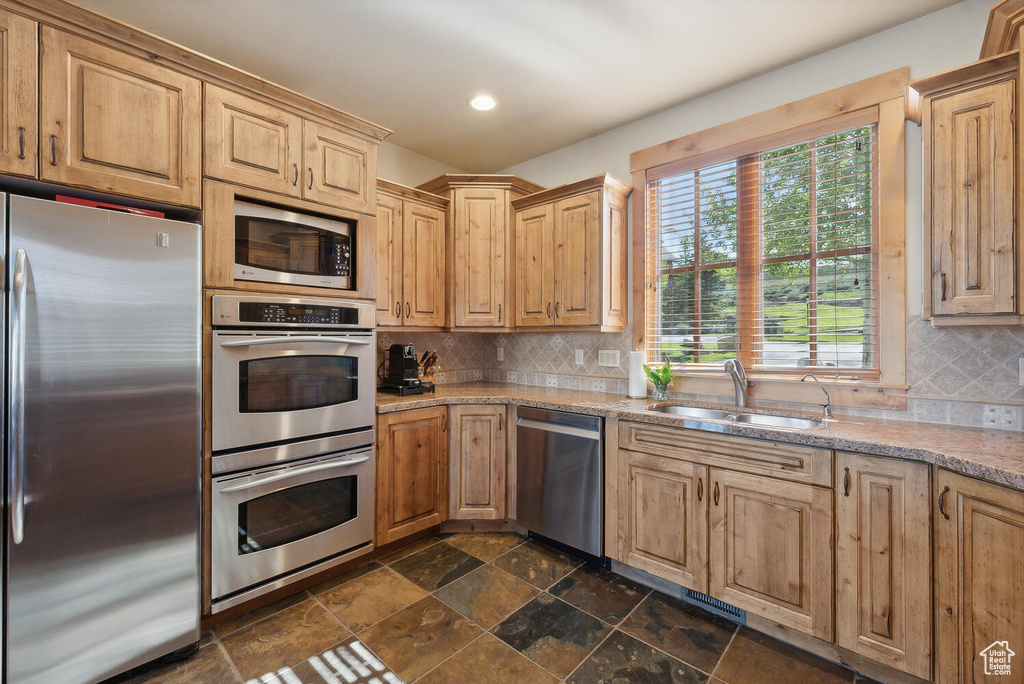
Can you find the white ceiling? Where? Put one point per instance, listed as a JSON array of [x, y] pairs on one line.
[[562, 70]]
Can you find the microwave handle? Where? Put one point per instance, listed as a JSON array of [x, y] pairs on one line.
[[257, 341], [289, 474]]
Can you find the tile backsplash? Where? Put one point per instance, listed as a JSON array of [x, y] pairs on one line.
[[954, 374]]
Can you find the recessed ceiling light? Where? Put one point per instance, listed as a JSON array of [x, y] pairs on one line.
[[483, 102]]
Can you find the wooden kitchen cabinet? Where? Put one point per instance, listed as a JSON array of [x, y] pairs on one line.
[[979, 577], [410, 257], [412, 472], [770, 549], [18, 116], [341, 169], [251, 143], [113, 122], [480, 245], [969, 117], [883, 561], [663, 517], [477, 462], [571, 256]]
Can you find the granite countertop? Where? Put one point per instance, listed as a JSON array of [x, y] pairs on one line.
[[993, 455]]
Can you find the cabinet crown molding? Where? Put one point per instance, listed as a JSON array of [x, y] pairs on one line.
[[604, 181], [1004, 22], [995, 67], [406, 192], [448, 181]]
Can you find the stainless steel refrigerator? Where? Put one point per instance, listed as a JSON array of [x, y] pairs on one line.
[[103, 441]]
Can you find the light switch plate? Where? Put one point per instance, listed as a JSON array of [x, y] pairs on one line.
[[499, 354], [608, 357], [1020, 373], [579, 357]]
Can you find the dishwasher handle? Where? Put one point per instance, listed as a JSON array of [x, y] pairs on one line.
[[572, 430]]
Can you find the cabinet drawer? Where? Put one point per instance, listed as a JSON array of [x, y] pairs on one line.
[[783, 461]]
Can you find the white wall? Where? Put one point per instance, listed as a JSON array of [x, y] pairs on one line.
[[400, 165], [936, 42]]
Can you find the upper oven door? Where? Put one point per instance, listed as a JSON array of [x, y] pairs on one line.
[[280, 246], [271, 386]]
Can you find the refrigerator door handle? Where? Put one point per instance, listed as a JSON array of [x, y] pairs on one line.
[[257, 341], [289, 474], [16, 434]]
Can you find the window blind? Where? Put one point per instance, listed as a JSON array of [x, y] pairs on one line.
[[769, 257]]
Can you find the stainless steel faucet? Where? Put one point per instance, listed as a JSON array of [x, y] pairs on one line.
[[826, 408], [739, 380]]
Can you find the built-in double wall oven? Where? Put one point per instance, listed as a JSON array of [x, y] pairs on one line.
[[293, 440]]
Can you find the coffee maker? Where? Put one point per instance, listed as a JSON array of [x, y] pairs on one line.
[[401, 373]]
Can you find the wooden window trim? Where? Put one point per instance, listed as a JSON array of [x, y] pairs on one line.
[[882, 98]]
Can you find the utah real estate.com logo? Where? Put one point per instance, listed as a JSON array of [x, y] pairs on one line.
[[997, 658]]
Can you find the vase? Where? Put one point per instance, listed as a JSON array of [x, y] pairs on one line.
[[660, 393]]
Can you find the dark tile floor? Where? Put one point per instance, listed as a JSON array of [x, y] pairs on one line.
[[490, 608]]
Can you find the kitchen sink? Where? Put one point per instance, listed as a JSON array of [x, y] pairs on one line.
[[770, 420], [764, 419], [692, 412]]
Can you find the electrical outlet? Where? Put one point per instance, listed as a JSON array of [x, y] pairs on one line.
[[551, 380], [579, 357], [990, 416], [478, 375], [499, 353], [608, 357], [1009, 417], [597, 384]]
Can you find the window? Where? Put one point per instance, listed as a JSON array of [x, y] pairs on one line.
[[769, 258], [779, 239]]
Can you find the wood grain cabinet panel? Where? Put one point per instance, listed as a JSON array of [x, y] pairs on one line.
[[771, 550], [972, 144], [341, 169], [251, 143], [412, 472], [477, 462], [116, 123], [410, 257], [883, 561], [663, 517], [571, 243], [980, 578], [480, 232], [18, 96], [535, 255]]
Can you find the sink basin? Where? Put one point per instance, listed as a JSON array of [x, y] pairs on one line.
[[777, 421], [692, 412]]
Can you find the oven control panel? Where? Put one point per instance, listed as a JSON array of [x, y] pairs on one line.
[[241, 311], [261, 312]]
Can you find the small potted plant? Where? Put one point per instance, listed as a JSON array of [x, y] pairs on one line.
[[661, 378]]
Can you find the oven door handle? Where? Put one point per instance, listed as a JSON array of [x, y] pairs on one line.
[[289, 474], [257, 341]]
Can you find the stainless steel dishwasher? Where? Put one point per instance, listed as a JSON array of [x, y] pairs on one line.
[[560, 477]]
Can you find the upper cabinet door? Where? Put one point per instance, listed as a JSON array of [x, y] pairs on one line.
[[116, 123], [423, 265], [578, 260], [19, 132], [535, 256], [479, 259], [341, 169], [972, 165], [251, 143], [389, 260]]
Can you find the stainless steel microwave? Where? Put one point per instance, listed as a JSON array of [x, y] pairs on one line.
[[274, 245]]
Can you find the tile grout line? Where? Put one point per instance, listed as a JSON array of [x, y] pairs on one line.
[[281, 610], [726, 650]]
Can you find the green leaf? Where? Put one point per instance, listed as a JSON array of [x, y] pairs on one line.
[[661, 377]]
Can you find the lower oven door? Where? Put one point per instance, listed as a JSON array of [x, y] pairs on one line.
[[273, 521], [271, 386]]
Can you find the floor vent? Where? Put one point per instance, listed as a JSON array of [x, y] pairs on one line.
[[731, 613]]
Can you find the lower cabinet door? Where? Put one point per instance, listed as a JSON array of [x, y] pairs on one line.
[[412, 472], [980, 578], [771, 550], [663, 518], [883, 561], [477, 462]]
